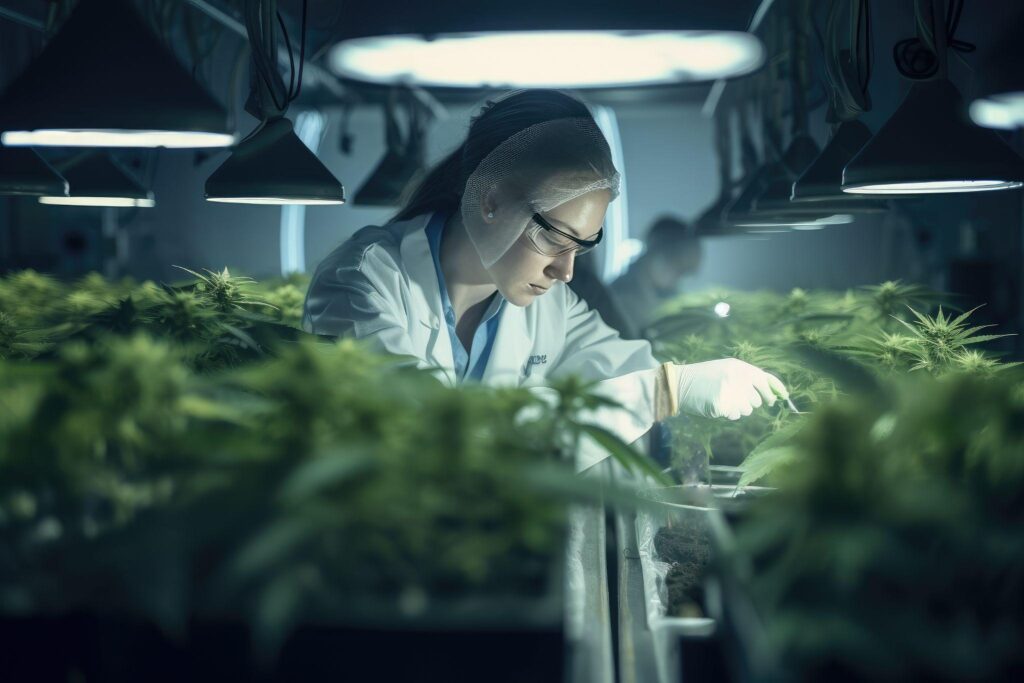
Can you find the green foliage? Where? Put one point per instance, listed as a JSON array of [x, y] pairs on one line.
[[889, 302], [893, 549], [219, 319], [173, 451], [286, 295], [877, 327]]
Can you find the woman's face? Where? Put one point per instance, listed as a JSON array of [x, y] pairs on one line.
[[523, 273]]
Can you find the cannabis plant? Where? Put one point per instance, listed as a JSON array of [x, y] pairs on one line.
[[892, 551], [876, 327], [296, 486], [889, 302]]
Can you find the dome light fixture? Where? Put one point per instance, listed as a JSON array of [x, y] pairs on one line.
[[96, 179], [821, 182], [541, 44], [25, 173], [403, 163], [549, 59], [274, 167], [105, 80], [927, 147]]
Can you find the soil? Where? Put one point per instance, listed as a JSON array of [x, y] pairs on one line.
[[685, 583], [686, 545]]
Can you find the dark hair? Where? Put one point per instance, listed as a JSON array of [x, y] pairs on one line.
[[441, 189], [668, 231]]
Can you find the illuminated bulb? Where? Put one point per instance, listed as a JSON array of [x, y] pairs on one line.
[[549, 59], [935, 187], [115, 138], [797, 223], [116, 202], [276, 201], [999, 111]]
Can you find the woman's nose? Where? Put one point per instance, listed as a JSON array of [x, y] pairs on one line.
[[561, 267]]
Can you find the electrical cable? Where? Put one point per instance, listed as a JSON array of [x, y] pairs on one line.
[[291, 59], [261, 39], [302, 49], [916, 58], [848, 70], [295, 75]]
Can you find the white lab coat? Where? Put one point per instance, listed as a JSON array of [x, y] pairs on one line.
[[380, 285]]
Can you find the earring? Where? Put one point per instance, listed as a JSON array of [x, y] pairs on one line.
[[490, 214]]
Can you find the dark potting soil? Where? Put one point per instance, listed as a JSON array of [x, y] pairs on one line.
[[685, 583], [687, 546]]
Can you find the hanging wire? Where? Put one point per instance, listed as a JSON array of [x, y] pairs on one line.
[[259, 21], [291, 58], [295, 74], [302, 50], [798, 66], [724, 150], [848, 62], [917, 58]]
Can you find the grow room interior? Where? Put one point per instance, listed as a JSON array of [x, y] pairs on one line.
[[523, 341]]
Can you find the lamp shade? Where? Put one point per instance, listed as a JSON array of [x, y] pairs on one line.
[[774, 197], [96, 179], [537, 43], [403, 163], [740, 208], [928, 146], [25, 173], [105, 80], [764, 206], [389, 180], [711, 221], [274, 167], [821, 182]]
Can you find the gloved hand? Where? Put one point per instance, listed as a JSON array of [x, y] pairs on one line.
[[728, 388]]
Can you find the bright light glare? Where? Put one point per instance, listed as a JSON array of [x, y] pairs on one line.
[[550, 59], [117, 202], [798, 224], [999, 111], [722, 309], [276, 201], [935, 187], [115, 138]]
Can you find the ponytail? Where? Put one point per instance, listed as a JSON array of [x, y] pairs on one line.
[[440, 189]]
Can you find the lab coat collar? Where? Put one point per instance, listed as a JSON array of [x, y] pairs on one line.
[[504, 367], [425, 292]]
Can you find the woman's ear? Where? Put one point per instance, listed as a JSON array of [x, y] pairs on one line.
[[489, 206]]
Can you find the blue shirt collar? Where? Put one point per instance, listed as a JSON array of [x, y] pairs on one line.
[[468, 363]]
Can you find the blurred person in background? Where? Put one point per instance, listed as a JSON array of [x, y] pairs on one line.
[[672, 252]]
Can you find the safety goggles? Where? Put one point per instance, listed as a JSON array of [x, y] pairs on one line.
[[550, 241]]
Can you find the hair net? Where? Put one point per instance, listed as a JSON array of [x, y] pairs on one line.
[[534, 171]]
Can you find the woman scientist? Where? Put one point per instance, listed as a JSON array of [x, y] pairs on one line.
[[470, 277]]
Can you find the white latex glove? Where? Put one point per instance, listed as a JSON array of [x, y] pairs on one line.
[[728, 388]]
